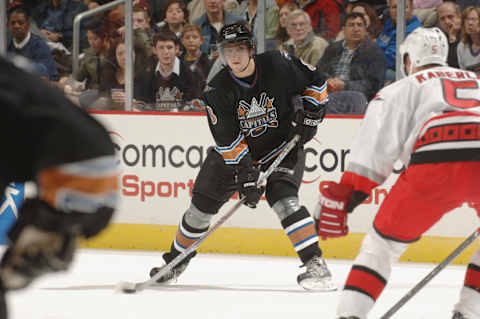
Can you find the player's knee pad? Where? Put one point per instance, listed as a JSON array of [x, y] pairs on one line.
[[286, 207], [379, 253], [196, 218], [278, 190], [206, 204]]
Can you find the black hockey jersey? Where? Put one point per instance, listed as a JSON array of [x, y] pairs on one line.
[[257, 118], [40, 127]]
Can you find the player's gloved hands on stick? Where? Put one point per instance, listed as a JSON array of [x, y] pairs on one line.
[[305, 124], [331, 212], [36, 250], [247, 185]]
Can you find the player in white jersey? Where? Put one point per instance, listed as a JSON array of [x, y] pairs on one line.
[[429, 120]]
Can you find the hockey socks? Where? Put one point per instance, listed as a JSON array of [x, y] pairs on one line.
[[300, 229], [186, 235]]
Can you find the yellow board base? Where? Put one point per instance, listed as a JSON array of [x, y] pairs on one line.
[[273, 242]]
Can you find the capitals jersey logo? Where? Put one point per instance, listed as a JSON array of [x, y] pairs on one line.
[[255, 117]]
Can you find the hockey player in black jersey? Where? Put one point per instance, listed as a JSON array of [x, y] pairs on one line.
[[69, 155], [252, 115]]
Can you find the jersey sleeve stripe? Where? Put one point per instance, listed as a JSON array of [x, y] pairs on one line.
[[234, 153], [316, 95]]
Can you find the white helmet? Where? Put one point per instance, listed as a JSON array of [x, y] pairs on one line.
[[424, 46]]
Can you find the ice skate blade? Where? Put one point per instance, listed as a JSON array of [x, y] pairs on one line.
[[316, 285]]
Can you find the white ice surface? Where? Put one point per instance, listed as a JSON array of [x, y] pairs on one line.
[[217, 286]]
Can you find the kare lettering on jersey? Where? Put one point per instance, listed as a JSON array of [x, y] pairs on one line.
[[257, 116]]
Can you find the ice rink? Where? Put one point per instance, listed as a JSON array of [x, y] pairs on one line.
[[217, 286]]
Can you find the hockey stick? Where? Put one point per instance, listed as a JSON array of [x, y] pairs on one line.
[[129, 287], [467, 242]]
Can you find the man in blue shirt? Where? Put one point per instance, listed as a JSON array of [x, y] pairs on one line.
[[29, 45], [211, 22], [387, 40]]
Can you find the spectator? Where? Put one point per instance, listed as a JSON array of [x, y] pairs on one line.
[[112, 79], [303, 43], [355, 68], [29, 45], [326, 16], [247, 10], [196, 8], [55, 20], [211, 22], [197, 60], [169, 85], [450, 22], [142, 32], [92, 63], [374, 25], [425, 11], [176, 15], [355, 63], [468, 50], [387, 40], [285, 10]]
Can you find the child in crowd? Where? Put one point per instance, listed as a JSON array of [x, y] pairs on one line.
[[197, 60]]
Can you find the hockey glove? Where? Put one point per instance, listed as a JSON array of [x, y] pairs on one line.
[[247, 185], [331, 211], [305, 124], [36, 247]]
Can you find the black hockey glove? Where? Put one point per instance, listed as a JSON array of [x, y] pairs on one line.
[[247, 185], [36, 248], [305, 124]]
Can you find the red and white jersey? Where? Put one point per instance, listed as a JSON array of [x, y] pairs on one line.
[[431, 116]]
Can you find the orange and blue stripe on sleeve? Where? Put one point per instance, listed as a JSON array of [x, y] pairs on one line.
[[316, 95], [234, 153]]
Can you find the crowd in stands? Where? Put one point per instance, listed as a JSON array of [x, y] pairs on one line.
[[352, 42]]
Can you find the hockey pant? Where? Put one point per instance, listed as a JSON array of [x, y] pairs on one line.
[[216, 184], [419, 198]]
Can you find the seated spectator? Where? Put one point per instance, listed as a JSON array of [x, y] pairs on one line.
[[92, 63], [247, 10], [285, 10], [326, 16], [197, 60], [169, 85], [355, 68], [142, 32], [55, 20], [468, 50], [450, 22], [354, 63], [176, 16], [387, 40], [426, 11], [303, 43], [211, 22], [196, 8], [29, 45], [374, 25], [112, 79]]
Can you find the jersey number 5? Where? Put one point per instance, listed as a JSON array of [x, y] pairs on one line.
[[450, 92]]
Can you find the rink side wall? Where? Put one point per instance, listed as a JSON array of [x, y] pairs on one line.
[[160, 154]]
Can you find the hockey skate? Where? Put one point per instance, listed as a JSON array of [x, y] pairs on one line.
[[172, 275], [351, 317], [317, 277], [458, 315]]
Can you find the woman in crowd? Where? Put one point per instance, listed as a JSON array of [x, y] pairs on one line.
[[285, 9], [468, 50]]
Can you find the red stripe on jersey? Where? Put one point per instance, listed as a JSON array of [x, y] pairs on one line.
[[359, 182], [365, 280], [472, 277], [449, 114]]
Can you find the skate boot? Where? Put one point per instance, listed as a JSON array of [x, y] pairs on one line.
[[458, 315], [172, 275], [317, 277], [351, 317]]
